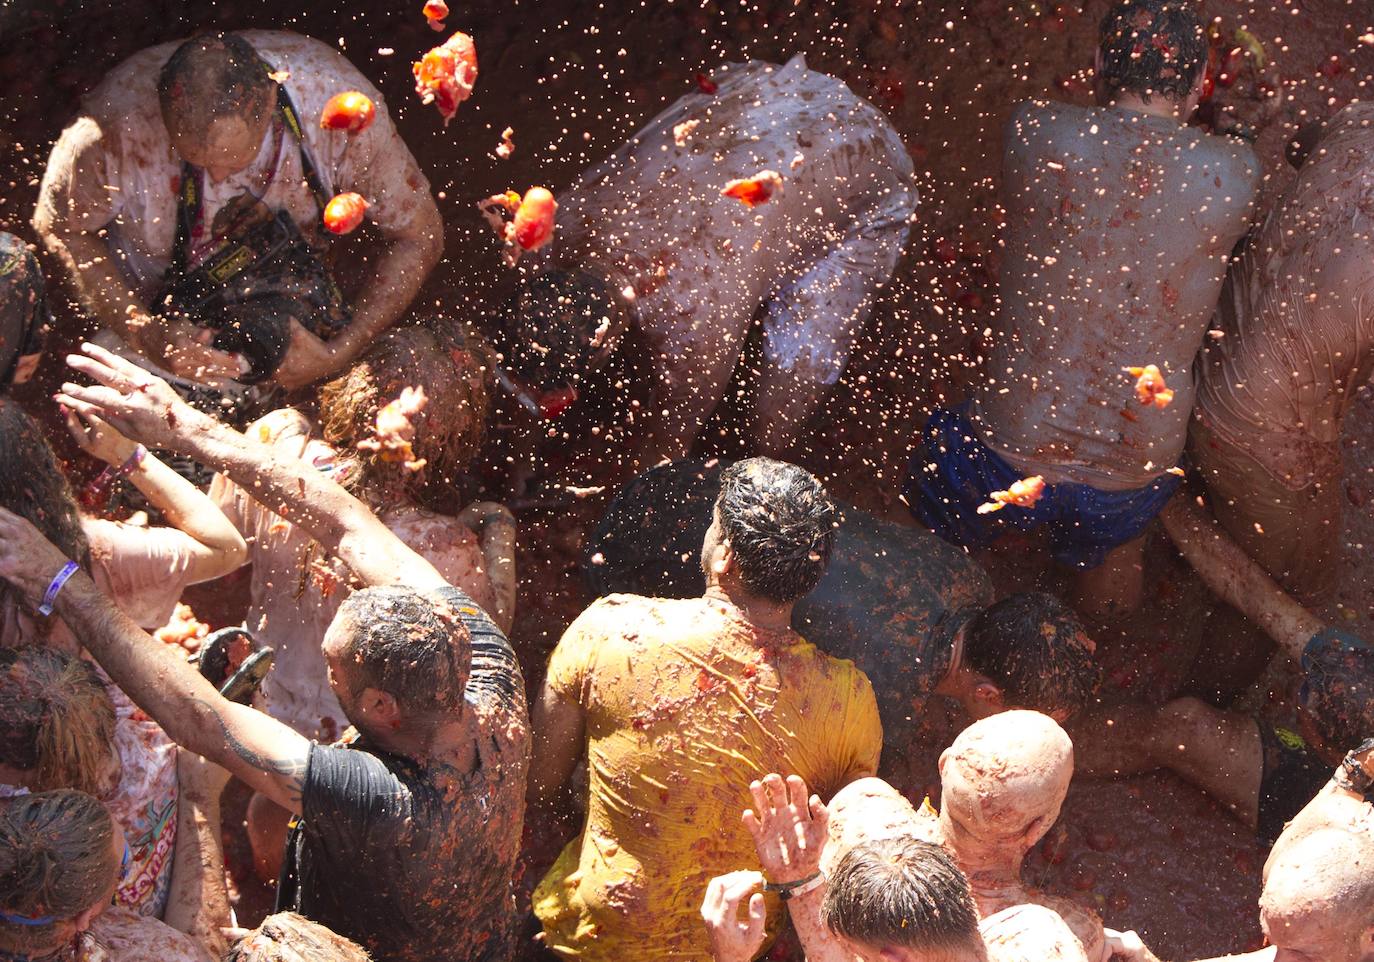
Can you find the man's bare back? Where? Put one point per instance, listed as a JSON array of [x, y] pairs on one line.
[[1297, 318], [1119, 227]]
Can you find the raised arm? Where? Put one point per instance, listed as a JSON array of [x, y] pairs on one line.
[[199, 900], [145, 408], [264, 753], [1236, 578], [557, 743], [214, 546]]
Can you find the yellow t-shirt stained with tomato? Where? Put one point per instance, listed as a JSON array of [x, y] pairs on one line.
[[686, 703]]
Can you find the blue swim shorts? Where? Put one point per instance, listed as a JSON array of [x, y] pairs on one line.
[[953, 472]]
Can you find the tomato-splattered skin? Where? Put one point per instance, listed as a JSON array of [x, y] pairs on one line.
[[1296, 325], [1119, 229]]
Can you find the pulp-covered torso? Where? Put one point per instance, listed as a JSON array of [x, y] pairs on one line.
[[1119, 228]]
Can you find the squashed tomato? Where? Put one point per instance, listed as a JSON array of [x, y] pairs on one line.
[[1149, 386], [436, 11], [445, 75], [344, 213], [533, 224], [1025, 493], [350, 111], [755, 190]]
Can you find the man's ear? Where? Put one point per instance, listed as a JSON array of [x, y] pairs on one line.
[[989, 696], [84, 920], [380, 708], [725, 561]]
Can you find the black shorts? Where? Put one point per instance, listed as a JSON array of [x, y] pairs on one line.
[[1292, 777]]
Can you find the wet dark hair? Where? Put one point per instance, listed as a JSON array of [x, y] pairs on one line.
[[24, 317], [1033, 647], [55, 859], [34, 487], [780, 523], [902, 892], [1338, 688], [210, 76], [1152, 47], [413, 646], [546, 330]]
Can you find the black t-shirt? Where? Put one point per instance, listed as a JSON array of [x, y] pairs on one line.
[[416, 864]]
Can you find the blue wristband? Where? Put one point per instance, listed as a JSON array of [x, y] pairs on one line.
[[54, 586]]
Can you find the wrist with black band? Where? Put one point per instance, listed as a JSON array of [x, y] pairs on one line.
[[1351, 774], [798, 888]]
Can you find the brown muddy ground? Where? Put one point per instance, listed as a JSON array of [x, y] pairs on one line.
[[574, 79]]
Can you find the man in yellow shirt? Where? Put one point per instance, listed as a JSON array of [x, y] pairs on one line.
[[683, 703]]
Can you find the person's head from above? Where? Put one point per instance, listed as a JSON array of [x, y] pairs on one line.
[[57, 723], [62, 857], [555, 329], [217, 102], [1151, 56], [34, 487], [1029, 650], [1336, 700], [772, 531], [24, 318], [1318, 898], [288, 937], [902, 900], [1003, 782], [398, 660], [453, 369]]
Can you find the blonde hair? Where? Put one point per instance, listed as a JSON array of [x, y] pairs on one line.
[[454, 366], [55, 860], [287, 937], [56, 718]]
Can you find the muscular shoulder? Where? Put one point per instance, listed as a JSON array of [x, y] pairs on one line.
[[1031, 932]]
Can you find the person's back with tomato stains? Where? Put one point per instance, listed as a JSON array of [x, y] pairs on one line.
[[1120, 223]]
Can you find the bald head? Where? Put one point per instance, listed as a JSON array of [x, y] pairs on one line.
[[1005, 777], [1318, 897], [217, 101]]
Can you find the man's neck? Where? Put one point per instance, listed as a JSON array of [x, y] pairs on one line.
[[1157, 106], [453, 744], [991, 871], [767, 615]]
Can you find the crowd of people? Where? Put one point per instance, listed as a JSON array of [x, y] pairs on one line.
[[728, 719]]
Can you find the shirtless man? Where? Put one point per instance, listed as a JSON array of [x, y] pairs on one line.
[[866, 851], [1119, 225], [1318, 898], [205, 114], [1263, 773], [646, 239], [1003, 782], [1297, 319]]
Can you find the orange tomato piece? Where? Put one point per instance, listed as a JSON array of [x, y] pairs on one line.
[[436, 11], [1149, 386], [755, 190], [534, 219], [344, 213], [350, 111], [1025, 493], [445, 75]]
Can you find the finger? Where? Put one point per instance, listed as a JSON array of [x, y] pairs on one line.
[[74, 426], [77, 405], [112, 361], [739, 884], [752, 823], [796, 795], [820, 815], [100, 372], [715, 895], [757, 915], [96, 395], [775, 790], [761, 806]]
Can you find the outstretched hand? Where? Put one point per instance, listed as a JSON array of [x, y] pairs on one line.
[[733, 940], [1127, 947], [137, 403], [28, 560], [789, 829]]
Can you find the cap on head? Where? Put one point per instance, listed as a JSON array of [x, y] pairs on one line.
[[1337, 693], [1151, 47], [24, 318], [1005, 772]]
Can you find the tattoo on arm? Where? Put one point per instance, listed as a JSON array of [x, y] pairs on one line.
[[291, 769]]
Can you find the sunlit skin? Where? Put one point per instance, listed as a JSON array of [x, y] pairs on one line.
[[229, 145]]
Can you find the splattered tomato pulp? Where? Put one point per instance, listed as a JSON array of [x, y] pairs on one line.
[[445, 75]]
